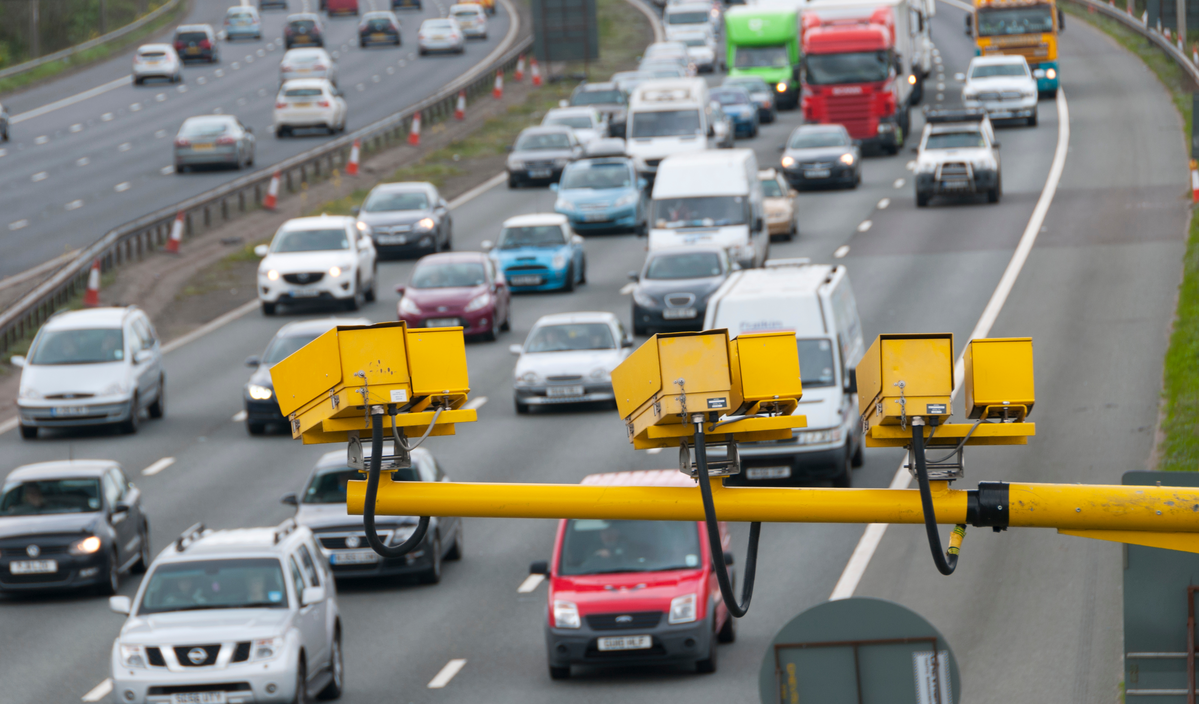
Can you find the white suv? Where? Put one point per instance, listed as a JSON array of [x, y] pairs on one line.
[[325, 258], [231, 617]]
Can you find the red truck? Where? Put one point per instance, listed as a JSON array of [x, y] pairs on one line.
[[858, 70], [633, 592]]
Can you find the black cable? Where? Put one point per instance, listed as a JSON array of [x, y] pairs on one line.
[[959, 446], [946, 562], [751, 554], [372, 490]]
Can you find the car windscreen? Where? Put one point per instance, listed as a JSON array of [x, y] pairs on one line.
[[695, 41], [329, 486], [532, 236], [815, 363], [730, 97], [578, 122], [437, 25], [85, 346], [703, 211], [536, 142], [48, 496], [570, 337], [761, 57], [302, 26], [385, 201], [991, 70], [378, 24], [955, 140], [1022, 20], [817, 139], [597, 546], [771, 188], [310, 240], [283, 347], [470, 15], [597, 176], [850, 67], [449, 275], [203, 128], [665, 123], [598, 97], [686, 17], [302, 92], [684, 265], [189, 37], [243, 583]]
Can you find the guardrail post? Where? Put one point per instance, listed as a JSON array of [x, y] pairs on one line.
[[188, 230], [225, 208]]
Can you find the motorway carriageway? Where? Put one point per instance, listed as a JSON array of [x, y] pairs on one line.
[[1032, 616]]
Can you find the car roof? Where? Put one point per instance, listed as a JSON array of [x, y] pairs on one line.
[[466, 6], [546, 129], [822, 128], [587, 87], [534, 219], [439, 20], [742, 79], [580, 317], [378, 13], [586, 110], [640, 477], [311, 223], [60, 469], [686, 249], [405, 187], [242, 8], [303, 328], [304, 16], [767, 174], [272, 541], [305, 50], [109, 317], [450, 257], [194, 28], [944, 127]]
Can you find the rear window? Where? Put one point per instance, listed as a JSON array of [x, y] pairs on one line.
[[302, 92], [466, 15], [203, 128], [152, 54], [437, 24], [379, 24], [240, 15], [187, 37], [302, 25], [533, 142], [593, 546], [578, 122]]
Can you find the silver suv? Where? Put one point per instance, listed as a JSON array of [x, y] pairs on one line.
[[231, 617], [91, 367]]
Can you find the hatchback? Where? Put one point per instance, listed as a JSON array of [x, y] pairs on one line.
[[759, 92], [307, 62], [456, 289], [242, 21], [196, 42], [380, 27], [539, 252], [741, 111], [407, 218], [313, 259], [156, 61], [568, 358], [303, 29], [603, 193], [213, 140], [671, 291], [309, 103], [472, 18], [821, 155], [440, 35], [341, 7]]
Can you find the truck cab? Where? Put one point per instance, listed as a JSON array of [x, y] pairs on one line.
[[764, 42], [1023, 28]]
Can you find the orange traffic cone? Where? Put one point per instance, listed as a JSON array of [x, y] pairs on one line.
[[519, 75], [352, 165], [414, 130], [460, 110], [176, 234], [91, 299], [272, 193], [536, 70], [1194, 182], [498, 91]]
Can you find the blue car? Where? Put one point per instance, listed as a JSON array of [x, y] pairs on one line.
[[539, 253], [736, 103], [242, 21], [603, 194]]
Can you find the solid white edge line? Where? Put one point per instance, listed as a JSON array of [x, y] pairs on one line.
[[855, 569], [531, 583], [71, 100], [211, 325], [967, 7], [447, 673], [99, 691], [478, 190], [627, 288], [239, 416], [475, 403], [654, 22], [158, 466], [38, 270]]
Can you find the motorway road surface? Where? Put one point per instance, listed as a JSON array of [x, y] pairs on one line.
[[1033, 617], [71, 174]]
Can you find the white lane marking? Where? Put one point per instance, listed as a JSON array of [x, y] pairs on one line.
[[478, 190], [211, 325], [249, 57], [160, 97], [911, 165], [218, 110], [940, 86], [882, 204], [158, 466], [899, 183], [38, 112], [73, 205], [82, 161], [402, 63], [77, 127], [862, 554], [241, 101], [627, 288], [135, 107], [41, 140], [126, 146], [391, 70], [219, 73], [959, 5], [8, 425], [99, 691], [865, 225], [236, 66], [531, 582], [940, 96], [841, 252], [122, 187], [260, 52], [202, 80], [160, 134], [39, 176], [360, 87], [3, 152], [336, 54], [106, 117], [375, 78], [654, 450], [447, 673], [270, 46], [240, 416], [476, 402], [167, 170], [17, 225], [181, 88]]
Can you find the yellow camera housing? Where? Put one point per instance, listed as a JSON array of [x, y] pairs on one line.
[[901, 376], [999, 378]]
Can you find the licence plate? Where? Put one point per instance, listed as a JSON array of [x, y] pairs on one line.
[[441, 323], [816, 173], [198, 698], [540, 173], [67, 411], [301, 37], [301, 105], [595, 217], [768, 472], [201, 147], [626, 643], [305, 293], [33, 567], [564, 391], [378, 37], [193, 50], [526, 280], [678, 313], [360, 557], [438, 37], [392, 239]]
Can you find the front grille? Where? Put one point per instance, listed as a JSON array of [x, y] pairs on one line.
[[817, 165], [210, 651], [17, 549], [955, 170], [620, 622], [242, 653], [521, 268], [567, 377], [304, 278], [55, 397], [680, 300], [59, 576], [392, 229], [338, 542], [186, 688], [652, 162], [154, 655], [852, 111], [591, 207], [539, 164]]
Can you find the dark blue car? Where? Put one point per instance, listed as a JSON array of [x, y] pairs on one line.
[[736, 103]]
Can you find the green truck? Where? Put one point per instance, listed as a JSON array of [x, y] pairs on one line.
[[765, 42]]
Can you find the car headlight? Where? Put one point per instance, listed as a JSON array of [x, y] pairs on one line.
[[400, 535], [781, 87], [407, 306], [600, 374], [424, 225], [847, 159], [516, 164], [87, 546], [1029, 93], [788, 162], [272, 275], [266, 648], [28, 392], [361, 226], [259, 393], [559, 261], [478, 302], [682, 609], [566, 614], [335, 271], [529, 378], [627, 199], [643, 299], [133, 656], [818, 437], [563, 204]]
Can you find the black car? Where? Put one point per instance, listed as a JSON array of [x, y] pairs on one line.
[[303, 29], [401, 4], [608, 99], [70, 524], [322, 508], [407, 218], [673, 288], [196, 42], [3, 124], [541, 153], [261, 406], [380, 27]]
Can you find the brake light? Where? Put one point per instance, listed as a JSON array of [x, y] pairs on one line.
[[181, 142], [205, 44], [322, 103], [288, 30], [318, 67], [280, 105], [225, 140]]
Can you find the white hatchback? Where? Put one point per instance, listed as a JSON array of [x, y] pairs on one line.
[[472, 18], [307, 62], [326, 258], [157, 61], [568, 358], [309, 103], [1003, 86]]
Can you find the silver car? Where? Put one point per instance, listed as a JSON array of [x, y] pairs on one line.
[[157, 61], [440, 35], [213, 140], [91, 367], [568, 358], [472, 18], [310, 62]]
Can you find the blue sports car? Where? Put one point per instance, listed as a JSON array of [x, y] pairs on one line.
[[539, 253], [603, 194], [736, 103]]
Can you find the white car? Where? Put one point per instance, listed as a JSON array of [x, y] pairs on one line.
[[157, 61], [701, 49], [586, 123], [472, 18], [680, 17], [958, 156], [324, 258], [236, 616], [309, 103], [569, 358], [309, 62], [1003, 86], [440, 35]]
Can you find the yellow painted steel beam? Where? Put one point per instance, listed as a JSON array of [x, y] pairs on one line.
[[951, 434], [745, 425]]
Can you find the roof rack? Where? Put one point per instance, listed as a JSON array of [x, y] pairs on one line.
[[284, 529], [791, 261], [189, 536], [935, 115]]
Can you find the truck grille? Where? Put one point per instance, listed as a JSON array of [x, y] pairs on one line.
[[852, 111], [154, 655], [994, 96]]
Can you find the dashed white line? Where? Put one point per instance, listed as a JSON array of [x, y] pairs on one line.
[[181, 88], [125, 147], [219, 73], [122, 187], [360, 87], [202, 80], [135, 107], [161, 97], [73, 205], [41, 140], [864, 225], [160, 134], [260, 52], [375, 78], [531, 582], [236, 66], [899, 183], [240, 416], [39, 176], [841, 252], [269, 47], [218, 110], [476, 402], [940, 96], [99, 691], [627, 288], [940, 86], [82, 161], [391, 70], [249, 57], [106, 117], [77, 127], [336, 54], [882, 204], [262, 92], [241, 101], [402, 63], [17, 225], [158, 466], [911, 165], [167, 170], [3, 152], [447, 673]]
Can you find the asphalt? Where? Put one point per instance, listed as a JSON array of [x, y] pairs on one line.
[[71, 174], [1032, 617]]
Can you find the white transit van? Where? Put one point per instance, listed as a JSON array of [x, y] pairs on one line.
[[711, 198], [816, 301], [668, 116]]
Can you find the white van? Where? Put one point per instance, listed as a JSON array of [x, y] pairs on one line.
[[711, 198], [668, 116], [816, 301]]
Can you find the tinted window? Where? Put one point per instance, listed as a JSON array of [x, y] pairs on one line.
[[987, 71], [382, 201], [818, 138], [215, 584], [283, 347], [152, 54], [597, 176], [329, 486], [772, 189], [665, 123], [302, 26], [189, 37], [1028, 20], [533, 142], [730, 97], [955, 140], [593, 546], [692, 265], [204, 128], [815, 362], [532, 236], [50, 496], [380, 24], [578, 122], [297, 579], [761, 57], [707, 211], [455, 275], [78, 346], [310, 240], [686, 17], [303, 92], [854, 67], [598, 97], [571, 336]]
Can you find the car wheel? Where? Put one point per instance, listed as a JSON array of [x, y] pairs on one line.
[[583, 272], [337, 670], [994, 193], [361, 45], [844, 480], [144, 557], [28, 433], [859, 458], [433, 574], [559, 673], [570, 278], [137, 81], [921, 199], [268, 308], [640, 330], [301, 696], [281, 132], [354, 302], [255, 428], [728, 632], [158, 409], [493, 334], [507, 324], [370, 295], [113, 582], [1032, 120], [457, 550], [129, 427], [521, 408], [708, 665], [512, 182]]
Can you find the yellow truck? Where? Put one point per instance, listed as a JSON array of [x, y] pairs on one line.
[[1027, 28]]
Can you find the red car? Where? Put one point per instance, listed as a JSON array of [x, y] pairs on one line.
[[340, 7], [456, 289], [634, 592]]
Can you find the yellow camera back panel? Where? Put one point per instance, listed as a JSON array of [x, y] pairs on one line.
[[637, 378], [766, 366], [307, 373], [923, 362], [999, 372], [378, 351], [437, 360], [701, 360]]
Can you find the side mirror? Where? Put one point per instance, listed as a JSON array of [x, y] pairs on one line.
[[290, 499], [262, 250], [400, 289], [782, 148], [250, 130], [627, 342], [539, 567], [969, 24], [516, 349], [851, 381], [120, 604], [576, 239], [996, 144], [486, 245], [253, 361], [554, 187], [634, 276], [728, 558], [355, 210], [312, 595], [142, 356], [17, 360], [1061, 20]]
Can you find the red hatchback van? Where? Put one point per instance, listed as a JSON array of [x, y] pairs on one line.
[[634, 592], [341, 7]]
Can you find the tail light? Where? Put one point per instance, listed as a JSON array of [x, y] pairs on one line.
[[280, 105], [319, 67], [288, 30], [181, 142], [205, 44], [225, 140], [322, 103], [179, 46]]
